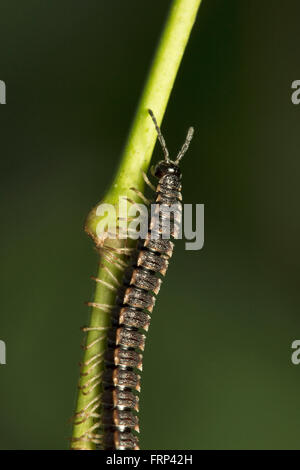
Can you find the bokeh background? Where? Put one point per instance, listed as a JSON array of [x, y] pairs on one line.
[[218, 371]]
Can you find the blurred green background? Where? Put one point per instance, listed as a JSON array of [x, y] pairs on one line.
[[217, 372]]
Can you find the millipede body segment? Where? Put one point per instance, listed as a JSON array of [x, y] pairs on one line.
[[134, 305]]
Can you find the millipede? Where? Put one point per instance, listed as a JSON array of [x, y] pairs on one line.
[[135, 299]]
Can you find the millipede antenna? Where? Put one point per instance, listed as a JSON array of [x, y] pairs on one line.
[[160, 136], [185, 145]]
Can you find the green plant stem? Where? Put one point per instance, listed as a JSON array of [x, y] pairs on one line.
[[135, 159]]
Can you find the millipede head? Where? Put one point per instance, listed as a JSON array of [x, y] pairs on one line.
[[165, 167]]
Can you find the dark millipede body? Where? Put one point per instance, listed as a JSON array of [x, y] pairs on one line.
[[135, 302]]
